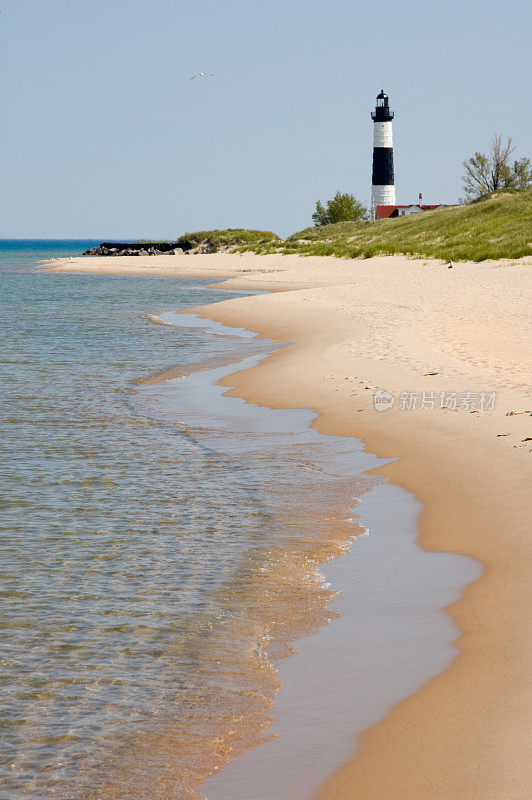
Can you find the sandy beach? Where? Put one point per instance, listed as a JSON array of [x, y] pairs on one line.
[[451, 348]]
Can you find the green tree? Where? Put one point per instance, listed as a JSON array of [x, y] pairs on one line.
[[521, 174], [486, 173], [341, 208]]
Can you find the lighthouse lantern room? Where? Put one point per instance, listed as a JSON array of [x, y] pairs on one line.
[[383, 185]]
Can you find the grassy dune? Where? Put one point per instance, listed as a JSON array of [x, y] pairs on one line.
[[499, 227], [232, 237]]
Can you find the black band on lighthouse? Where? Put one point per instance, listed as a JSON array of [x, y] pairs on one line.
[[382, 114], [382, 166]]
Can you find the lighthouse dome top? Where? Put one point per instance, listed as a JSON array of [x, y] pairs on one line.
[[382, 112]]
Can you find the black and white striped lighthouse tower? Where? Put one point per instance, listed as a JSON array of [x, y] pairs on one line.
[[383, 186]]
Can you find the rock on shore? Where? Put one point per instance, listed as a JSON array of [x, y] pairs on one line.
[[181, 247]]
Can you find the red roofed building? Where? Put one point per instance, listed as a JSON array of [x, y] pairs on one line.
[[385, 212]]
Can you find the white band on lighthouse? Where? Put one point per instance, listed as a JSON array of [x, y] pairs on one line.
[[382, 196], [382, 134]]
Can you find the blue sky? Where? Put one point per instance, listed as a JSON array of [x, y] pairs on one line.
[[103, 134]]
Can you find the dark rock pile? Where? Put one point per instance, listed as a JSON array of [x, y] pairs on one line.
[[181, 247]]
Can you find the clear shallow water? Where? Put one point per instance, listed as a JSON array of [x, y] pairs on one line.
[[152, 547]]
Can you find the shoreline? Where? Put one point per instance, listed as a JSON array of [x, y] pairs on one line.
[[324, 703], [400, 324]]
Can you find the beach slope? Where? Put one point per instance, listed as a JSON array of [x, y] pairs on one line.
[[450, 346]]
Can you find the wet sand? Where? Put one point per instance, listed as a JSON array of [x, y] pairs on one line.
[[413, 326], [391, 637]]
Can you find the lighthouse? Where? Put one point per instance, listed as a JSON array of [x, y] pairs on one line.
[[383, 186]]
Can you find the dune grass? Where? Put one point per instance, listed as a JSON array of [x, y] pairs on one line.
[[498, 227], [232, 237]]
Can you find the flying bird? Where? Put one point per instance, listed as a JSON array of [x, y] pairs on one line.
[[202, 75]]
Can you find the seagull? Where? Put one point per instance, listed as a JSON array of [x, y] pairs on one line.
[[202, 75]]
